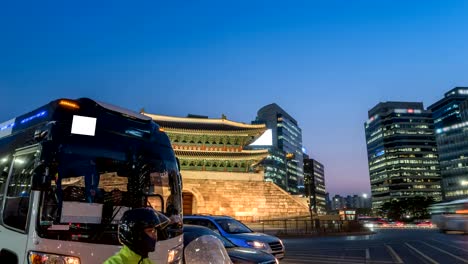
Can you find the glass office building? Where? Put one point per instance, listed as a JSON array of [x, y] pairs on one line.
[[402, 152], [314, 185], [274, 165], [286, 138], [451, 129]]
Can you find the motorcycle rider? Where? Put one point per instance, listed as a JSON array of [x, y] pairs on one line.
[[138, 229]]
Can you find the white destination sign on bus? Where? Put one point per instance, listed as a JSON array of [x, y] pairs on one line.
[[83, 125]]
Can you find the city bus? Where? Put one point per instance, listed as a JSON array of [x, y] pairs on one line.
[[69, 170], [450, 216]]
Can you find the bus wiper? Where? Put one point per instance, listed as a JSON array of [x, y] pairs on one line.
[[107, 224]]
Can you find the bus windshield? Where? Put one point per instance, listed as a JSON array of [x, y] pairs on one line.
[[92, 187]]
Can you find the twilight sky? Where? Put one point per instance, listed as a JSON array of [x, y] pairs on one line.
[[325, 62]]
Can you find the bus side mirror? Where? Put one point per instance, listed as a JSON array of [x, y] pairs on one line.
[[40, 178], [178, 163]]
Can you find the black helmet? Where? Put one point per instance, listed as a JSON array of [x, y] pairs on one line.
[[132, 226]]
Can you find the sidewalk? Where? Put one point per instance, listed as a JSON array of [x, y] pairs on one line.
[[366, 233], [280, 232]]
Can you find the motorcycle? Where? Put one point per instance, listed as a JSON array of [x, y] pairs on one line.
[[206, 249]]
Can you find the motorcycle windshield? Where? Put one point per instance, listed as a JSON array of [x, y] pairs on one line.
[[206, 249]]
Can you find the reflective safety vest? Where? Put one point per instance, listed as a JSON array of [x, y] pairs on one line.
[[127, 256]]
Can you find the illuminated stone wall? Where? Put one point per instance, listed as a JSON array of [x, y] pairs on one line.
[[244, 196]]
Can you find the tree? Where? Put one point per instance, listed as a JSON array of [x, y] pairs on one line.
[[407, 208], [364, 211]]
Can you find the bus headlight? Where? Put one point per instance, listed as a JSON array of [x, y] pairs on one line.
[[175, 254], [46, 258]]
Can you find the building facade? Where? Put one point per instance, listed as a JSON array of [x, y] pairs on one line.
[[286, 138], [337, 202], [355, 201], [314, 185], [402, 152], [451, 129], [274, 165]]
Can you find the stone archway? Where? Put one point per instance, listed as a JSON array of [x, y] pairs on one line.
[[187, 198], [192, 200]]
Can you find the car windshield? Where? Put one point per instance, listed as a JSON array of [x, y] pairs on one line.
[[191, 233], [232, 226], [90, 192]]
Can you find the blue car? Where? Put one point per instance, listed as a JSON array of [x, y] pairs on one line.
[[239, 234], [238, 255]]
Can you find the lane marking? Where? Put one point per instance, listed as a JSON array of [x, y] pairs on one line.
[[325, 256], [318, 260], [367, 254], [393, 254], [448, 253], [445, 244], [328, 260], [422, 254]]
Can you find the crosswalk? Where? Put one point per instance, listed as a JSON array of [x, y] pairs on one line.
[[431, 251]]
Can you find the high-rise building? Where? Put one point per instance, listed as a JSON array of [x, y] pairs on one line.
[[286, 138], [350, 201], [314, 185], [451, 129], [356, 201], [402, 152], [338, 202], [328, 202]]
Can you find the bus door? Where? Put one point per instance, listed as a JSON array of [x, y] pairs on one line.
[[16, 205]]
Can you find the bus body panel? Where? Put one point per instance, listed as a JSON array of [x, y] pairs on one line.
[[14, 242], [90, 253], [86, 252], [451, 222], [451, 216]]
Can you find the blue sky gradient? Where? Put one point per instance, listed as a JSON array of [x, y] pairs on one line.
[[325, 62]]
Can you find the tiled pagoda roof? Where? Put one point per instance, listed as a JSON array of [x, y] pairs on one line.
[[205, 124], [242, 155]]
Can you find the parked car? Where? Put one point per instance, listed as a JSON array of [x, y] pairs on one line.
[[236, 254], [238, 233]]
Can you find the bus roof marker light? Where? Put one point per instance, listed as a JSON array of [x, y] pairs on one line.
[[7, 126], [69, 104], [40, 114]]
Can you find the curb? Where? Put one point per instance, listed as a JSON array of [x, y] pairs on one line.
[[325, 234]]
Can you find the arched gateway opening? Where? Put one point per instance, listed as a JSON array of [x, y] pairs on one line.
[[187, 198]]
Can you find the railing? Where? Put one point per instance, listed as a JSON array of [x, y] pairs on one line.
[[305, 226]]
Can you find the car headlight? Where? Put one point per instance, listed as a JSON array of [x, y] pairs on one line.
[[47, 258], [175, 254], [257, 244]]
